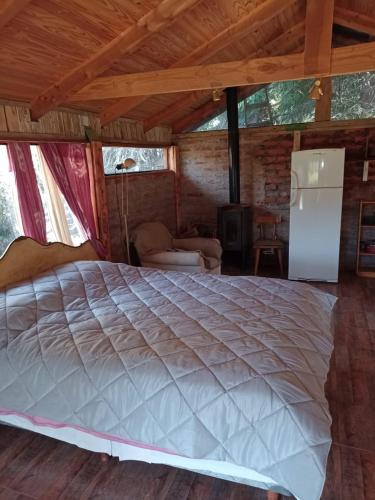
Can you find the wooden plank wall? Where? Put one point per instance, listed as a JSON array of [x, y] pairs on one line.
[[15, 123], [130, 130]]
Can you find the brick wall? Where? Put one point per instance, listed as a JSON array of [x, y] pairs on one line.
[[265, 176], [204, 180], [151, 198]]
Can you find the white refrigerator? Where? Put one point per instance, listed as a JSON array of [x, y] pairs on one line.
[[317, 178]]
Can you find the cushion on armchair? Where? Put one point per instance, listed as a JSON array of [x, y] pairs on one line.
[[175, 258], [210, 247], [151, 237], [156, 248]]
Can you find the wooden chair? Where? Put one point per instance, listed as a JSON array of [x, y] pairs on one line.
[[268, 244]]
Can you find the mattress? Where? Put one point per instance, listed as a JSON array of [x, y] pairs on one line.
[[203, 367]]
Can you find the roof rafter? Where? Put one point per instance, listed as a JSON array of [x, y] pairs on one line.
[[173, 109], [125, 43], [345, 60], [318, 36], [283, 43], [354, 20], [250, 22], [9, 9]]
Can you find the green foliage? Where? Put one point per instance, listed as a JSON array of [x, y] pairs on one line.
[[219, 122], [7, 227], [353, 96], [283, 103], [289, 102], [146, 158]]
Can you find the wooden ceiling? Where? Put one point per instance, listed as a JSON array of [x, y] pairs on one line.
[[51, 49]]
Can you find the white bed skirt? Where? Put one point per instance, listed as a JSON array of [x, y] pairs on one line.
[[124, 451]]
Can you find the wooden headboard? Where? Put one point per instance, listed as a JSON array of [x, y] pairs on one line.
[[25, 258]]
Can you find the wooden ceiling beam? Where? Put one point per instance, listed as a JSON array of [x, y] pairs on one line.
[[9, 9], [345, 60], [323, 105], [125, 43], [318, 36], [257, 17], [164, 116], [210, 109], [354, 20], [280, 44]]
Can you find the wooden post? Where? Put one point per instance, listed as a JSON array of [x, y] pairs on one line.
[[174, 165], [318, 37], [296, 140], [323, 105]]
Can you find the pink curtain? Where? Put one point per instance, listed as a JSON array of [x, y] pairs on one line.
[[30, 202], [68, 165]]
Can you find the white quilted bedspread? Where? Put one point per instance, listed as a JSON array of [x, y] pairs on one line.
[[216, 367]]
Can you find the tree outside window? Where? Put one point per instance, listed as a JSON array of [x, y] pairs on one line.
[[283, 103], [9, 222], [146, 159]]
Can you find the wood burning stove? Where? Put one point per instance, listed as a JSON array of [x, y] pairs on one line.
[[234, 232]]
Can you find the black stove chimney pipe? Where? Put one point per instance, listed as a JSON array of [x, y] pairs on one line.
[[233, 145]]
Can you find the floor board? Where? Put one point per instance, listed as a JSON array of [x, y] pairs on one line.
[[37, 467]]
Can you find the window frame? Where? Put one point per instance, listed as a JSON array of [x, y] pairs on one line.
[[33, 142], [165, 147]]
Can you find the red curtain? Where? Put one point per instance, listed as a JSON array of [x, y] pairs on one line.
[[68, 165], [31, 207]]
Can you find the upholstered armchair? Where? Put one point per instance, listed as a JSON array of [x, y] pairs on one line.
[[157, 248]]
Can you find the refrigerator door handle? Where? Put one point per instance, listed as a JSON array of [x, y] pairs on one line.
[[294, 178], [294, 190]]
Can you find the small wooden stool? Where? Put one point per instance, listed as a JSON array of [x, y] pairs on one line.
[[265, 244]]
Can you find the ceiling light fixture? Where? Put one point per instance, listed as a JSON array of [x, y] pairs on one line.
[[216, 95]]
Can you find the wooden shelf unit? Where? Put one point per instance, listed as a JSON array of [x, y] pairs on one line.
[[364, 271]]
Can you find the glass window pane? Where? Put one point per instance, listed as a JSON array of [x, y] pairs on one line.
[[219, 122], [279, 103], [282, 103], [10, 223], [43, 190], [73, 226], [146, 159], [353, 96], [289, 102], [75, 229]]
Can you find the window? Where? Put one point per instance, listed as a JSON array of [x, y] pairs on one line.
[[353, 96], [61, 223], [279, 103], [254, 110], [282, 103], [146, 159], [219, 122], [10, 221]]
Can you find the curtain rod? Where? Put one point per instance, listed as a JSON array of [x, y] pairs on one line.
[[106, 142], [38, 140]]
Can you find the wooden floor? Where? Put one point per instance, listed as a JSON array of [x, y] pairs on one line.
[[32, 466]]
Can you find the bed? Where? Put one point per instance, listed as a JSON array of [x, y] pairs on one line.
[[217, 374]]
